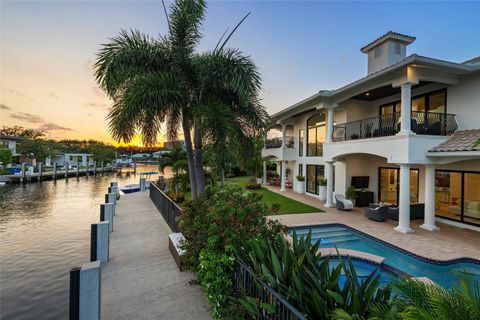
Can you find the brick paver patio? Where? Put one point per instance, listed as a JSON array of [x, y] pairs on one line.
[[448, 243]]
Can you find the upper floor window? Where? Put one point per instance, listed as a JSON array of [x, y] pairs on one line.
[[3, 144], [433, 102], [378, 52], [315, 135], [300, 143], [398, 48]]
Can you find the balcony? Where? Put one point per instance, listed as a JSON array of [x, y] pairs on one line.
[[273, 149], [277, 142], [436, 124]]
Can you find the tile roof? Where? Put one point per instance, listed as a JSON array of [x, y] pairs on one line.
[[459, 141], [473, 62]]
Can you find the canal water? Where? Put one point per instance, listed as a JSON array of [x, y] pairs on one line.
[[45, 231]]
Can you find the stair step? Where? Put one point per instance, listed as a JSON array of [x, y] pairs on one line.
[[338, 239], [332, 234], [320, 230]]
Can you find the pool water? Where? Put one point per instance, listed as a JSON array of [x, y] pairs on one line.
[[338, 236], [363, 270]]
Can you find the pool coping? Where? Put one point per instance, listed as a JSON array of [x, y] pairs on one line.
[[329, 251], [409, 253]]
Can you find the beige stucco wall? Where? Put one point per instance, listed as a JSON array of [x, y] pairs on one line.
[[463, 100]]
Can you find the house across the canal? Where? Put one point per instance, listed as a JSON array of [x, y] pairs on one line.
[[70, 159]]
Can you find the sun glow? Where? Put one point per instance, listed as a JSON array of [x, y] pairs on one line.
[[137, 142]]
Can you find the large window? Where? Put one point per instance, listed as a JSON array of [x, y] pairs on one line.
[[314, 175], [457, 196], [300, 143], [316, 135], [434, 102], [388, 188], [3, 144]]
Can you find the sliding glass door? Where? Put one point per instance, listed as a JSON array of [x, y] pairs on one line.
[[457, 196], [388, 187], [314, 174]]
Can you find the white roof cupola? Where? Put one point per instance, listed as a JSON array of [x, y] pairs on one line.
[[386, 50]]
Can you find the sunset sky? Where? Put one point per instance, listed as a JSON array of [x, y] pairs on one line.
[[48, 48]]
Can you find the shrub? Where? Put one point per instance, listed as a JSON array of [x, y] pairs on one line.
[[215, 226], [5, 156], [350, 193], [323, 182], [215, 274], [231, 213], [252, 184], [307, 280], [300, 178]]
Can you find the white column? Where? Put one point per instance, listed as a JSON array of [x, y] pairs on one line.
[[284, 135], [283, 173], [329, 137], [404, 200], [329, 176], [429, 223], [406, 108], [264, 176]]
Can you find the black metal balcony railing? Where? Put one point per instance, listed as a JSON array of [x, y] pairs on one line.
[[277, 142], [429, 123]]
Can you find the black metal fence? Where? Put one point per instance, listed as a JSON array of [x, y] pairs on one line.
[[248, 283], [426, 123], [170, 210]]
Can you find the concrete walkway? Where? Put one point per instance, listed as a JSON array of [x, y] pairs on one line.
[[141, 280]]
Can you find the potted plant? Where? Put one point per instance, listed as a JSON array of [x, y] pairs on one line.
[[322, 190], [300, 184], [368, 129], [350, 194]]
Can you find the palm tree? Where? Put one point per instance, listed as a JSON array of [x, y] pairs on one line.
[[170, 158], [165, 80]]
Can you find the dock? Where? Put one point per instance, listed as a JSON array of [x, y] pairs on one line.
[[51, 175], [141, 279]]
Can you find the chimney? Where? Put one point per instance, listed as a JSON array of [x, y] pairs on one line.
[[387, 50]]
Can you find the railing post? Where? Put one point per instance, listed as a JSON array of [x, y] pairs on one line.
[[89, 295], [40, 171], [99, 244], [107, 211], [111, 198]]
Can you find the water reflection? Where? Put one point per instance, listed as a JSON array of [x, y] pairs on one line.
[[44, 231]]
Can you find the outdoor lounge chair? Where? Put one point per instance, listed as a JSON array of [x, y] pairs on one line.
[[417, 211], [378, 214], [342, 203]]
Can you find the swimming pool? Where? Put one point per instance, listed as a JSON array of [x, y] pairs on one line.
[[340, 236]]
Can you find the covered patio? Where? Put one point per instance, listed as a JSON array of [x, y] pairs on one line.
[[446, 244]]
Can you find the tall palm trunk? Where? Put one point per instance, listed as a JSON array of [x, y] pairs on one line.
[[190, 156], [222, 177], [199, 172]]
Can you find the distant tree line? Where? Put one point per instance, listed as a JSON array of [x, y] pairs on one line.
[[37, 146]]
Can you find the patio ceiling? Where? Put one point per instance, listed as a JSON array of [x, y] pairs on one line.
[[384, 91]]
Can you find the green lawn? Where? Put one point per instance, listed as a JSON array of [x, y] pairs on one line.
[[287, 205]]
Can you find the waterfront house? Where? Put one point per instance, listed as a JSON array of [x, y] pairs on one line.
[[403, 134], [70, 159], [11, 142]]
